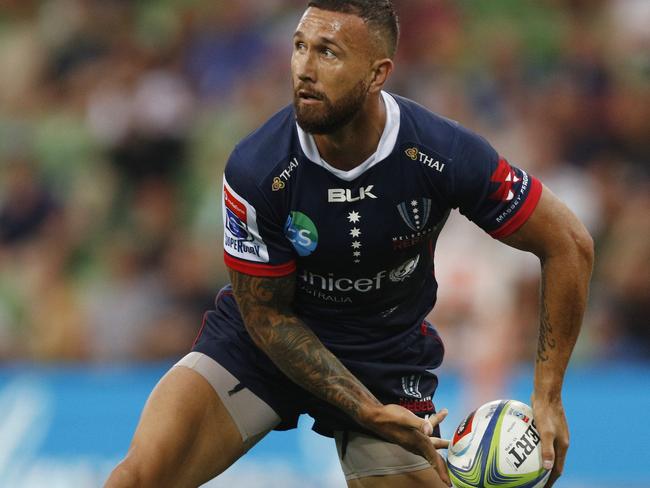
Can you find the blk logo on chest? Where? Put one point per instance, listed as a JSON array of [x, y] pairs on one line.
[[342, 195]]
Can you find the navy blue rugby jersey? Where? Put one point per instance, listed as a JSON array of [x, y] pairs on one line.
[[362, 242]]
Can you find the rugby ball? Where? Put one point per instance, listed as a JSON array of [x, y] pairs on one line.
[[497, 445]]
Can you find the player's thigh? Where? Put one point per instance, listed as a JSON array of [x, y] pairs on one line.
[[187, 434], [370, 462], [424, 478]]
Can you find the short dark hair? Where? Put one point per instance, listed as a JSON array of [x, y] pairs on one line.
[[377, 14]]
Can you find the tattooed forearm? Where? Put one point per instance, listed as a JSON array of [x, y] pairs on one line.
[[546, 341], [265, 305]]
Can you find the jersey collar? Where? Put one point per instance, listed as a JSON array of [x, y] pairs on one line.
[[384, 148]]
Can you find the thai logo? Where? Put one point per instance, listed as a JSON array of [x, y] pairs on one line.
[[301, 232], [278, 184], [279, 181], [415, 213], [416, 155], [413, 153], [404, 270]]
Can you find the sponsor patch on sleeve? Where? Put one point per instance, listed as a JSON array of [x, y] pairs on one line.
[[241, 237]]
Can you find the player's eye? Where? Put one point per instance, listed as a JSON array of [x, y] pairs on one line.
[[328, 53], [299, 46]]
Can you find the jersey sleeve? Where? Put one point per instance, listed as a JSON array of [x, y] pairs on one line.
[[254, 241], [488, 190]]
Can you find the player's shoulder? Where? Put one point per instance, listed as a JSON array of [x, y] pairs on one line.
[[446, 137], [260, 152]]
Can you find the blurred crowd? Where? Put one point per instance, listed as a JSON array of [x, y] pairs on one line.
[[117, 117]]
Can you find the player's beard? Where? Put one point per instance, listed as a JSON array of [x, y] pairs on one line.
[[328, 117]]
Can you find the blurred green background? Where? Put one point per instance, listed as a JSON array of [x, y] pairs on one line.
[[117, 117]]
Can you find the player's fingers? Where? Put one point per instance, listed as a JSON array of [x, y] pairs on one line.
[[438, 417], [397, 415], [551, 480], [441, 469], [429, 422], [439, 443], [561, 447], [426, 428], [426, 448], [548, 452]]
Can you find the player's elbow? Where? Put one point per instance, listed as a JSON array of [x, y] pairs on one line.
[[583, 245], [260, 326], [571, 243], [269, 330], [258, 334]]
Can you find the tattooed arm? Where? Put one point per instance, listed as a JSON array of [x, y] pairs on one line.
[[265, 305], [565, 249]]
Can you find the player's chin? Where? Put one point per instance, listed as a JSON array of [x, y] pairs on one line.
[[311, 111], [312, 121]]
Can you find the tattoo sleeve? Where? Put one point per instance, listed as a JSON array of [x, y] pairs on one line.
[[563, 300], [265, 305], [546, 341]]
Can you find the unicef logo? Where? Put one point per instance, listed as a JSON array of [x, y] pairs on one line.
[[301, 232]]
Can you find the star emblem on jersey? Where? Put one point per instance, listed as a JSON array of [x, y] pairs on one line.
[[354, 217], [416, 213], [355, 232]]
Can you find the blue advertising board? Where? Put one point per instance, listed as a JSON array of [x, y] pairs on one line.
[[67, 426]]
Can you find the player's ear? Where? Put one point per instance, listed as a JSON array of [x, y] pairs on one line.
[[381, 70]]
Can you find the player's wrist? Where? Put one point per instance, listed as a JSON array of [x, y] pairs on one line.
[[547, 394], [370, 415]]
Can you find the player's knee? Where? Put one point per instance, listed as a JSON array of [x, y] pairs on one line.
[[124, 475], [132, 472]]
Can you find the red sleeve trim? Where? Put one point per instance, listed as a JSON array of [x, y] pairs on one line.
[[255, 269], [524, 212]]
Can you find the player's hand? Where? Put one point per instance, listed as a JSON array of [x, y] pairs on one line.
[[401, 426], [554, 434]]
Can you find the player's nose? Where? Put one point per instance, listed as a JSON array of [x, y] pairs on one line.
[[304, 67]]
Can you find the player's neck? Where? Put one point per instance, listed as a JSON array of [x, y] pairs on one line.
[[350, 146]]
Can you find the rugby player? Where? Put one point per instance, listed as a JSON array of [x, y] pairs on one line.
[[331, 213]]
